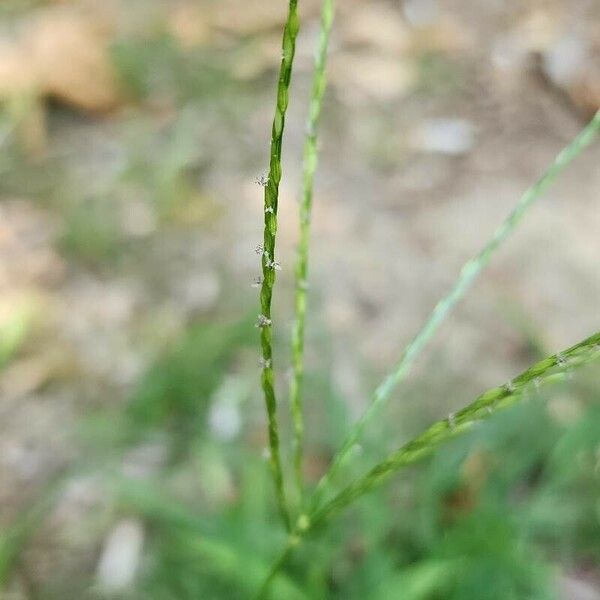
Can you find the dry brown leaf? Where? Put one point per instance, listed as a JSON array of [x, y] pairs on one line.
[[60, 52], [70, 54]]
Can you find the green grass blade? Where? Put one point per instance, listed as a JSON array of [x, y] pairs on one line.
[[548, 370], [551, 369], [310, 166], [269, 264], [467, 275]]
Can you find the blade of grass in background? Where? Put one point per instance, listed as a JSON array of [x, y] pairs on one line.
[[467, 275], [310, 166], [269, 264], [551, 369]]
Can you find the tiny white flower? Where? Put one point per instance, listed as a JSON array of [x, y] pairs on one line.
[[263, 321], [262, 180], [269, 209], [257, 282], [258, 249], [264, 363]]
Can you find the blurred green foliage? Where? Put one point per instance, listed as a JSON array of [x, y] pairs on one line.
[[90, 230], [175, 392], [157, 67], [498, 514]]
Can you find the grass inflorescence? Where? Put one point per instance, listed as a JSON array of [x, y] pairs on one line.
[[318, 509], [551, 369], [269, 264]]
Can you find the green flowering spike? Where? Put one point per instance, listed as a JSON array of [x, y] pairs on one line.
[[269, 264], [548, 370]]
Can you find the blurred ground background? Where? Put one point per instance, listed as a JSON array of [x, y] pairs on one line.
[[131, 136]]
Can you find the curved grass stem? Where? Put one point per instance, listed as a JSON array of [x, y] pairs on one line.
[[269, 265], [467, 276], [549, 370], [310, 165]]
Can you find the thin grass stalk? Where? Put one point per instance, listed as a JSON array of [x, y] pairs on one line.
[[319, 85], [551, 369], [467, 276], [293, 540], [269, 264]]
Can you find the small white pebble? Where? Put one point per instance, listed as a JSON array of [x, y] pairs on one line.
[[225, 420], [121, 556]]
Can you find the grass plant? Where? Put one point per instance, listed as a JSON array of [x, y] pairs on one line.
[[318, 510]]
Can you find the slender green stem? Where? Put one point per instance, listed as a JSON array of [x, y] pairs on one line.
[[310, 165], [277, 566], [549, 370], [467, 275], [269, 264]]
